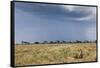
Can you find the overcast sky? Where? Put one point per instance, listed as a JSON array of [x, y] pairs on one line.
[[40, 22]]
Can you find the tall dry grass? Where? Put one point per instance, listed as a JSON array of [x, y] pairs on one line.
[[37, 54]]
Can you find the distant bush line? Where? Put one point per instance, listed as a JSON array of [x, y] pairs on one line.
[[58, 42]]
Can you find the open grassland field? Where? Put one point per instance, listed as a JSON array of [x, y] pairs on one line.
[[37, 54]]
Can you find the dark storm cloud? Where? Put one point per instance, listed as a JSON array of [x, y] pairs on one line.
[[54, 11]]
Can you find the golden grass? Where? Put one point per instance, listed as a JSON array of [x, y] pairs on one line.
[[37, 54]]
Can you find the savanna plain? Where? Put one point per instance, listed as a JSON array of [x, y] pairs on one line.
[[38, 54]]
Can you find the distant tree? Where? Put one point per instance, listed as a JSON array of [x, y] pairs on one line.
[[86, 41], [69, 42], [58, 41], [77, 41], [51, 42], [25, 42], [45, 42], [64, 41], [22, 42], [36, 42]]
